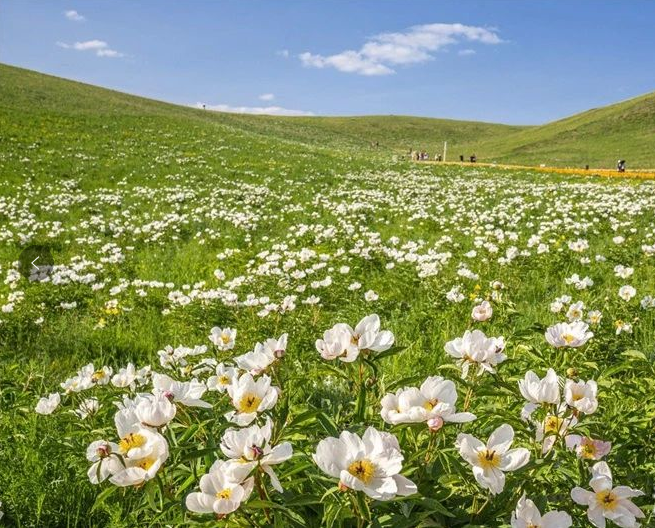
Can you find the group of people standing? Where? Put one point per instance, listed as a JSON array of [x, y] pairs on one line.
[[422, 155]]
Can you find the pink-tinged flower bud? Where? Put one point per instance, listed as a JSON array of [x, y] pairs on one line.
[[436, 423], [257, 451], [103, 451], [169, 395], [343, 487], [280, 353]]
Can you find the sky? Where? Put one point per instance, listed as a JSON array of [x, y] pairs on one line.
[[507, 61]]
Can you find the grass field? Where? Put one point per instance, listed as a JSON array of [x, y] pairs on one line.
[[164, 222]]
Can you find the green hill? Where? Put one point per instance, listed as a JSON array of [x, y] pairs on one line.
[[597, 137]]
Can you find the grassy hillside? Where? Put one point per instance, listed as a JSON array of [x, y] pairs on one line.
[[599, 137], [24, 91]]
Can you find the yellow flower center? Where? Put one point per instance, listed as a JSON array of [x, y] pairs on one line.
[[225, 338], [249, 403], [430, 404], [568, 338], [362, 469], [553, 424], [147, 463], [588, 451], [224, 380], [131, 441], [224, 494], [488, 459], [97, 376], [607, 500]]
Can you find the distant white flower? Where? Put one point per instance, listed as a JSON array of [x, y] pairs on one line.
[[482, 312], [491, 461], [454, 295], [527, 515], [371, 296], [575, 311], [594, 317], [371, 464], [187, 393], [223, 338], [568, 334], [627, 292], [623, 327], [606, 502], [49, 404], [623, 272]]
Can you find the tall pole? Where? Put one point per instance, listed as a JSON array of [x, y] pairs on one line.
[[445, 149]]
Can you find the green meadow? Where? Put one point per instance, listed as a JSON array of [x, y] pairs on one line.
[[165, 222]]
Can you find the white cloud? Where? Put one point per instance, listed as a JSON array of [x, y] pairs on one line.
[[100, 47], [74, 16], [258, 110], [283, 53], [381, 53], [266, 97], [465, 52]]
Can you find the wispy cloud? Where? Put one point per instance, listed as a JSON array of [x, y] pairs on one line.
[[283, 53], [465, 52], [266, 97], [100, 47], [381, 53], [74, 16], [258, 110]]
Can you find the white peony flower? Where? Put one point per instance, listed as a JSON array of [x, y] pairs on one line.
[[482, 312], [221, 492], [568, 334], [475, 348], [370, 464], [250, 397], [491, 461], [264, 355], [155, 410], [627, 292], [527, 515], [582, 395], [185, 392], [223, 338], [435, 398], [224, 377], [606, 502], [250, 447], [49, 404], [538, 391], [105, 460]]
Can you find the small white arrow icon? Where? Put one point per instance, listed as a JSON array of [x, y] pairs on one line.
[[35, 267]]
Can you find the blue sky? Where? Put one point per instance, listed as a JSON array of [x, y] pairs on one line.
[[523, 62]]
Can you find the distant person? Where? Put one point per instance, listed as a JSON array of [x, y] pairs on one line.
[[620, 165], [473, 158], [586, 167], [204, 107], [461, 158]]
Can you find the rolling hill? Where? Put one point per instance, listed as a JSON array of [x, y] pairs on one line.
[[597, 137]]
